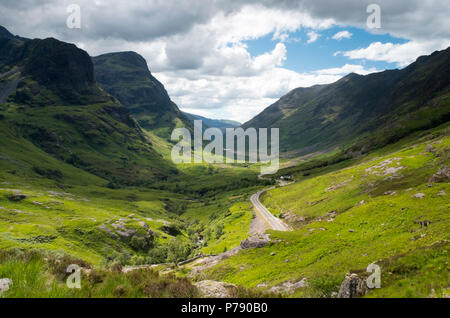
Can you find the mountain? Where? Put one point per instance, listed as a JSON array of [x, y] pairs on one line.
[[362, 112], [49, 97], [4, 33], [125, 75], [213, 123]]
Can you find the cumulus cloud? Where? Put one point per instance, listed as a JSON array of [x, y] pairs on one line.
[[342, 35], [312, 36], [402, 54], [241, 97]]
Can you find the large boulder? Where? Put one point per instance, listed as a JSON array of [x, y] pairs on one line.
[[442, 175], [16, 197], [5, 283], [352, 286], [255, 241]]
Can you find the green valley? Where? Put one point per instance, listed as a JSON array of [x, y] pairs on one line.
[[86, 178]]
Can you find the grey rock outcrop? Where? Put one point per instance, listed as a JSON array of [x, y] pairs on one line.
[[255, 241], [5, 283], [442, 175], [215, 289], [352, 286]]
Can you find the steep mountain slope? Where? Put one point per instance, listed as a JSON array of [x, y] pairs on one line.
[[49, 96], [213, 123], [375, 109], [125, 75]]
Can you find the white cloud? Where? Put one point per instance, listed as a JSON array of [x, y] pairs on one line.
[[241, 97], [312, 36], [342, 35], [402, 54]]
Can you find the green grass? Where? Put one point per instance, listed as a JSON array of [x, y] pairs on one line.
[[381, 229], [37, 275], [236, 223], [70, 210]]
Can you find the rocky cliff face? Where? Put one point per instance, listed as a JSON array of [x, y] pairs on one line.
[[48, 95], [50, 71]]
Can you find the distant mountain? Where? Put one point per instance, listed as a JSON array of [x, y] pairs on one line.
[[213, 123], [49, 97], [363, 112], [125, 75], [4, 33]]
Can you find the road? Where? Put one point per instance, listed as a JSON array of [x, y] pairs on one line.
[[261, 211]]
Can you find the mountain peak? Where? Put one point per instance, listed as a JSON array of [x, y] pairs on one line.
[[4, 33], [125, 75], [125, 58], [60, 65]]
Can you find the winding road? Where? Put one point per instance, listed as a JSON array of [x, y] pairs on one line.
[[262, 212]]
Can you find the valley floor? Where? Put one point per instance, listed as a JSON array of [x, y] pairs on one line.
[[389, 208]]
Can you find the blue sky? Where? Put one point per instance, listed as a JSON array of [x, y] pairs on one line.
[[308, 57]]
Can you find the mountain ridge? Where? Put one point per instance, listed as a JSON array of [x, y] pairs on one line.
[[346, 111], [126, 76], [213, 123], [50, 97]]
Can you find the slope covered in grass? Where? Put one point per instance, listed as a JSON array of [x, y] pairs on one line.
[[43, 275], [382, 209]]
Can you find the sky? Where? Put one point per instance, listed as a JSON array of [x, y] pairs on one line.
[[230, 59]]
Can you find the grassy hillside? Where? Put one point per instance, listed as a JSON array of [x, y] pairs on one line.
[[43, 275], [385, 208]]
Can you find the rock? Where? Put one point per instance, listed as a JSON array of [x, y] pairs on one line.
[[431, 149], [351, 230], [419, 195], [215, 289], [208, 261], [332, 214], [424, 223], [289, 287], [16, 197], [144, 225], [272, 254], [442, 192], [337, 186], [352, 286], [287, 260], [442, 175], [255, 241], [292, 218], [5, 283]]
